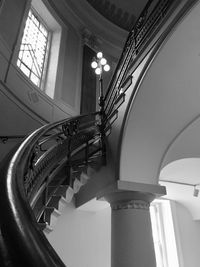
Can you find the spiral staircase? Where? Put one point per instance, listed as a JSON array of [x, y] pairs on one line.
[[75, 158]]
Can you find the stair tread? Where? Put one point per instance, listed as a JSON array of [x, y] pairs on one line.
[[53, 210], [45, 226]]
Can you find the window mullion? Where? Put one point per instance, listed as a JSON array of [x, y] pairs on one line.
[[34, 55]]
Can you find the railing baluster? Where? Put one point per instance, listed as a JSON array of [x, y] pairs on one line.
[[136, 41]]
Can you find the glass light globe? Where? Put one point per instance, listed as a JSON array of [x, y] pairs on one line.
[[99, 55], [106, 67], [103, 61], [98, 71], [94, 64]]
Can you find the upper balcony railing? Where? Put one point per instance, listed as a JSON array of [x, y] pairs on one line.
[[142, 33]]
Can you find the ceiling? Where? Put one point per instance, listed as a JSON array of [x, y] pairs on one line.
[[122, 13], [183, 171]]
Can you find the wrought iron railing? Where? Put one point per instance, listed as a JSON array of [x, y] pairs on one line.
[[45, 158], [142, 32]]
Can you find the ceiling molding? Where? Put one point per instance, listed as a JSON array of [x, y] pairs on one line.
[[112, 12], [111, 38]]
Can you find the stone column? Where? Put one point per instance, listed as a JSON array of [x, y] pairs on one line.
[[131, 233]]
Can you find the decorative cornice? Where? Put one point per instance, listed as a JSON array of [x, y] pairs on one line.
[[132, 204], [89, 39], [81, 15], [113, 13]]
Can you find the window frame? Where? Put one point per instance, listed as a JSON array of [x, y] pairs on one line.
[[51, 84], [20, 62], [163, 223]]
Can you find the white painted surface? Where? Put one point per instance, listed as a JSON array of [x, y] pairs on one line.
[[94, 205], [187, 235], [82, 239], [167, 101], [181, 177], [185, 145], [185, 170], [184, 195]]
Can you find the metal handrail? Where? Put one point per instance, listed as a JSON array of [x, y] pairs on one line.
[[145, 27], [28, 169]]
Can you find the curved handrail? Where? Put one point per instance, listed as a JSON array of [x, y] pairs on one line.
[[142, 32], [23, 172]]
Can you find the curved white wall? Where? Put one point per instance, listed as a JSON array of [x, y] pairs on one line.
[[167, 101], [185, 145]]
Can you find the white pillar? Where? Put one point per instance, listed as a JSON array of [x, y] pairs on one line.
[[131, 233]]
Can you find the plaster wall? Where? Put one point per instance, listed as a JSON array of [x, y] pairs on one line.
[[68, 83], [24, 107], [187, 234], [82, 238], [166, 102], [15, 119]]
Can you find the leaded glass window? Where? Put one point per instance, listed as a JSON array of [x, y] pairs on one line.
[[33, 50]]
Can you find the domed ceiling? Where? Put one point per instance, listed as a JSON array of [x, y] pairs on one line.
[[123, 13]]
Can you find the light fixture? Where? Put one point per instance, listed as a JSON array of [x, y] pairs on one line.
[[99, 64], [94, 64], [103, 61], [106, 67], [98, 71], [99, 55]]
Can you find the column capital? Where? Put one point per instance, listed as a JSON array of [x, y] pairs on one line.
[[133, 204], [129, 200], [131, 195]]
